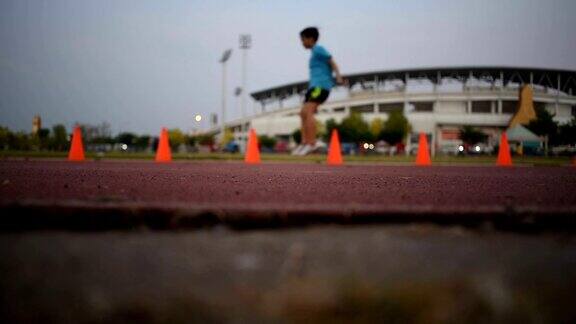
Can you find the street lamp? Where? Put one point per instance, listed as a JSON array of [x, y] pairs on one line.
[[223, 60], [198, 124]]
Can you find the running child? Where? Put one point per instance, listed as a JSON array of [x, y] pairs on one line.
[[322, 67]]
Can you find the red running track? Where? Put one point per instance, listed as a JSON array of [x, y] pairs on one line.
[[288, 185]]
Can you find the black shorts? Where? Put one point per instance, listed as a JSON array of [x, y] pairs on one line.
[[316, 94]]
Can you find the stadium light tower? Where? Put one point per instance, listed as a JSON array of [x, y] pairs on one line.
[[223, 60], [245, 44]]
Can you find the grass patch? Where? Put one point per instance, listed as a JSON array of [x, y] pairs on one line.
[[373, 159]]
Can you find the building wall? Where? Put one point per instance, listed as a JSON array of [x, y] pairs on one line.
[[451, 107], [563, 114], [450, 111]]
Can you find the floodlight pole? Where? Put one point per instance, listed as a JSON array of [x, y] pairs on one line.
[[245, 43], [223, 60]]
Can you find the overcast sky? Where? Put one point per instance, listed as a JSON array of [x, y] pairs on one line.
[[144, 64]]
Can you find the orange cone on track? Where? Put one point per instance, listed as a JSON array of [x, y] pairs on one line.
[[252, 152], [163, 153], [76, 149], [504, 158], [334, 151], [423, 156]]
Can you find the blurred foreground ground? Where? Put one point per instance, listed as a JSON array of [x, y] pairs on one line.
[[134, 241], [364, 274]]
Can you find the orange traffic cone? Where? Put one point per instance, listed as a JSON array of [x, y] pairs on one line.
[[76, 149], [334, 151], [504, 158], [423, 156], [163, 153], [252, 152]]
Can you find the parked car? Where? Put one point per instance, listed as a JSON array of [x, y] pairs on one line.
[[232, 147], [281, 147], [349, 148], [564, 150], [449, 149], [476, 149]]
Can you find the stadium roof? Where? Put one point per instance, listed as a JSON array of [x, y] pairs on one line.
[[563, 80]]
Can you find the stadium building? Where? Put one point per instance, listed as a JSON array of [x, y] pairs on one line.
[[436, 101]]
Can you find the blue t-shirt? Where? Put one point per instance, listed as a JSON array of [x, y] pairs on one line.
[[320, 69]]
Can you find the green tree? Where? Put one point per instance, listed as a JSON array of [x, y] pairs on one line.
[[206, 139], [266, 141], [544, 125], [176, 137], [44, 138], [297, 136], [376, 127], [228, 137], [59, 140], [354, 129], [33, 141], [567, 133], [142, 142], [126, 138], [5, 135], [102, 140], [320, 130], [396, 128], [330, 125], [191, 140], [21, 141], [470, 135]]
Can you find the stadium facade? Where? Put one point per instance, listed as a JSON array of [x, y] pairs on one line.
[[437, 101]]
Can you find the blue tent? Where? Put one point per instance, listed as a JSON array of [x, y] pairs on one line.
[[530, 142]]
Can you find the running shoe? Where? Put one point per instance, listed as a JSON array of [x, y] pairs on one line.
[[296, 151], [307, 149]]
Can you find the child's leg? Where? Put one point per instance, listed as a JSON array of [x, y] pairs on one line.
[[303, 117], [309, 127]]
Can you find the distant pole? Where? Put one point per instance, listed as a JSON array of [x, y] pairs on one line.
[[223, 60], [223, 109], [245, 44]]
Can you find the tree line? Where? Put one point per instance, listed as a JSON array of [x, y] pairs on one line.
[[58, 138], [54, 139], [354, 129]]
